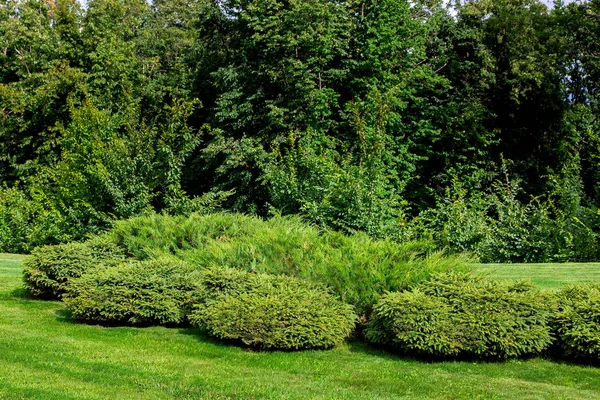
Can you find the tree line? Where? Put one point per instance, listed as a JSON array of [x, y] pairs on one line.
[[473, 125]]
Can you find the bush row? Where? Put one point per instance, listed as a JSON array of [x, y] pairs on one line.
[[463, 315], [259, 310], [210, 271], [356, 268]]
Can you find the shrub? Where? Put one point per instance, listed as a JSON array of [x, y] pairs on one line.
[[500, 227], [49, 269], [151, 292], [357, 268], [28, 220], [577, 322], [271, 312], [463, 315]]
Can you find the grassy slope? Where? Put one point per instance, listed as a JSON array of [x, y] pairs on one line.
[[548, 276], [44, 356]]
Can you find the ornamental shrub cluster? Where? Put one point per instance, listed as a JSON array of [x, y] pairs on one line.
[[462, 315], [259, 310], [282, 284], [577, 322], [356, 268]]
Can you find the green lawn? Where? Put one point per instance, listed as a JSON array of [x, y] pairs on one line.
[[45, 356], [547, 276]]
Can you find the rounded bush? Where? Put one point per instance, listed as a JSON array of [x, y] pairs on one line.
[[154, 292], [577, 322], [49, 269], [462, 315], [416, 322], [271, 312]]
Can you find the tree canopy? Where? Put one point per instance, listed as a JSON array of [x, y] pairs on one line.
[[473, 125]]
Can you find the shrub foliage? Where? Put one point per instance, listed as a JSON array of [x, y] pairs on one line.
[[271, 312], [49, 269], [150, 292], [577, 321], [357, 268], [462, 315]]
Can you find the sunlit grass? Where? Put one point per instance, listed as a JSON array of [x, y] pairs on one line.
[[547, 276], [43, 355]]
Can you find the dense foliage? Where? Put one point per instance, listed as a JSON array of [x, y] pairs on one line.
[[271, 312], [463, 315], [49, 270], [577, 322], [155, 292], [283, 284], [357, 268], [474, 125]]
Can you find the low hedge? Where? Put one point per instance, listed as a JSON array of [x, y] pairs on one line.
[[49, 269], [154, 292], [271, 312], [576, 324], [463, 315]]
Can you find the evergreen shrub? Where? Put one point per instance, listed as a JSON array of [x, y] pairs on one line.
[[153, 292], [271, 312], [463, 315], [577, 322], [49, 269], [356, 268]]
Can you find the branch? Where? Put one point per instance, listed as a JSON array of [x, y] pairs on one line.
[[22, 56]]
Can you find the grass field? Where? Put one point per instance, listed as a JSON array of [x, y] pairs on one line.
[[547, 276], [45, 356]]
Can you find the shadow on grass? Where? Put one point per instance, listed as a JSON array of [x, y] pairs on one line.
[[385, 353], [22, 293], [388, 353], [64, 315], [557, 356], [201, 336]]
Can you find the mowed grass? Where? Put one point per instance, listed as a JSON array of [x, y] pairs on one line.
[[43, 355], [547, 276]]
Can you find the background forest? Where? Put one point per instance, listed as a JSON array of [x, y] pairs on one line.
[[475, 126]]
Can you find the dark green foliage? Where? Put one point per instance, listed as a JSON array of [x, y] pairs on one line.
[[461, 315], [95, 116], [27, 221], [357, 268], [501, 228], [155, 292], [271, 312], [388, 117], [49, 270], [576, 323]]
